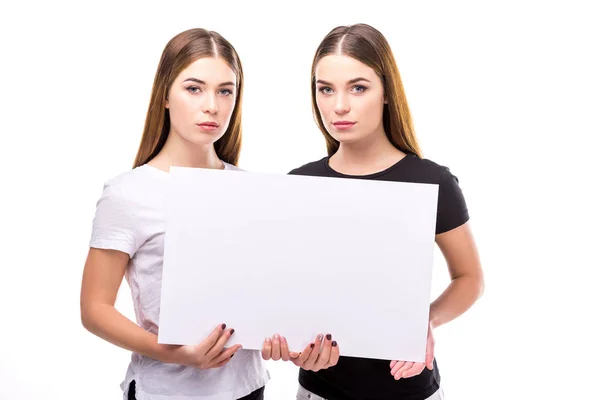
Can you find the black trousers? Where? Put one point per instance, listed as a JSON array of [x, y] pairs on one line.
[[256, 395]]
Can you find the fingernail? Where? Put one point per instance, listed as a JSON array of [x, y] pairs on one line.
[[282, 339], [223, 326], [320, 337], [268, 340], [328, 336], [312, 345], [231, 356], [233, 330], [276, 337], [334, 343]]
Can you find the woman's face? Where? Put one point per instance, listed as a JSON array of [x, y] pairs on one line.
[[201, 101], [350, 98]]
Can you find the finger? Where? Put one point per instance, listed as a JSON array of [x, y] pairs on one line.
[[220, 344], [405, 367], [415, 370], [224, 356], [430, 350], [314, 354], [323, 357], [301, 360], [429, 355], [429, 361], [285, 352], [211, 339], [297, 361], [294, 355], [266, 349], [392, 364], [335, 354], [219, 365], [276, 348], [397, 366]]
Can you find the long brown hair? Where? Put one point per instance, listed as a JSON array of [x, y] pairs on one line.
[[367, 45], [181, 51]]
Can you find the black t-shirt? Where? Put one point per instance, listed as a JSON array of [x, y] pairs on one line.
[[368, 379]]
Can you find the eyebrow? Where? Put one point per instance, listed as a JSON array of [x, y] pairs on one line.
[[351, 81], [201, 82]]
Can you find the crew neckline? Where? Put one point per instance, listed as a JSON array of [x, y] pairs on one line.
[[371, 175]]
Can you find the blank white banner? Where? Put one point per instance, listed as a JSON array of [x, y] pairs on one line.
[[299, 256]]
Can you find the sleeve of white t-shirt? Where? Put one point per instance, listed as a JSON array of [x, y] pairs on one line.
[[115, 225]]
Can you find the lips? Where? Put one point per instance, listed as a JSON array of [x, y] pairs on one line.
[[344, 124], [208, 126]]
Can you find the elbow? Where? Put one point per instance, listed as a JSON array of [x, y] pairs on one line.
[[480, 285], [87, 318]]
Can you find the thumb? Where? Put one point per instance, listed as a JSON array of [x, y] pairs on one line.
[[293, 354], [429, 357], [430, 348]]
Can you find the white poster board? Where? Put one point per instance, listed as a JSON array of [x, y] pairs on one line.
[[298, 256]]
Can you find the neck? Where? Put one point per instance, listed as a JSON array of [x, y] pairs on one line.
[[370, 155], [181, 153]]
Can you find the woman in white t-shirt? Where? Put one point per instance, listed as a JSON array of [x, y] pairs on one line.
[[193, 120]]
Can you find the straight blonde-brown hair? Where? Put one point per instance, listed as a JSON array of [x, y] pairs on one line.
[[179, 53]]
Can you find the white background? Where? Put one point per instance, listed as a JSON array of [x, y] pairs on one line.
[[506, 95]]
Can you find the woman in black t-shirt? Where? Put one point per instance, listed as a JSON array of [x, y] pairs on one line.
[[360, 107]]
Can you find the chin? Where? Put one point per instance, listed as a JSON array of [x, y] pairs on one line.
[[347, 138], [203, 139]]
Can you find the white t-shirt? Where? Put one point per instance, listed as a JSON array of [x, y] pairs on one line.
[[130, 218]]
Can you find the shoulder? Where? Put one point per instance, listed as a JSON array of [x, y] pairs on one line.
[[310, 168], [429, 170], [135, 185], [231, 167]]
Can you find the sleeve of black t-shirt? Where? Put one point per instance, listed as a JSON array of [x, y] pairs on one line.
[[452, 209]]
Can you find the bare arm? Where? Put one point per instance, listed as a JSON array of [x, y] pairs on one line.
[[466, 286], [102, 276]]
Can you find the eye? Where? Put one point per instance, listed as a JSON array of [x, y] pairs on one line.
[[194, 89], [326, 90], [226, 92], [359, 88]]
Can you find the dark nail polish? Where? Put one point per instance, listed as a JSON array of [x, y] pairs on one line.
[[312, 345], [328, 336], [231, 356], [223, 326], [233, 330], [334, 344]]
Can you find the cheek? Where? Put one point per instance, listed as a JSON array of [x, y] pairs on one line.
[[179, 108], [323, 106], [227, 105], [371, 110]]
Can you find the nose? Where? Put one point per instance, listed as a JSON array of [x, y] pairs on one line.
[[342, 105], [210, 105]]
